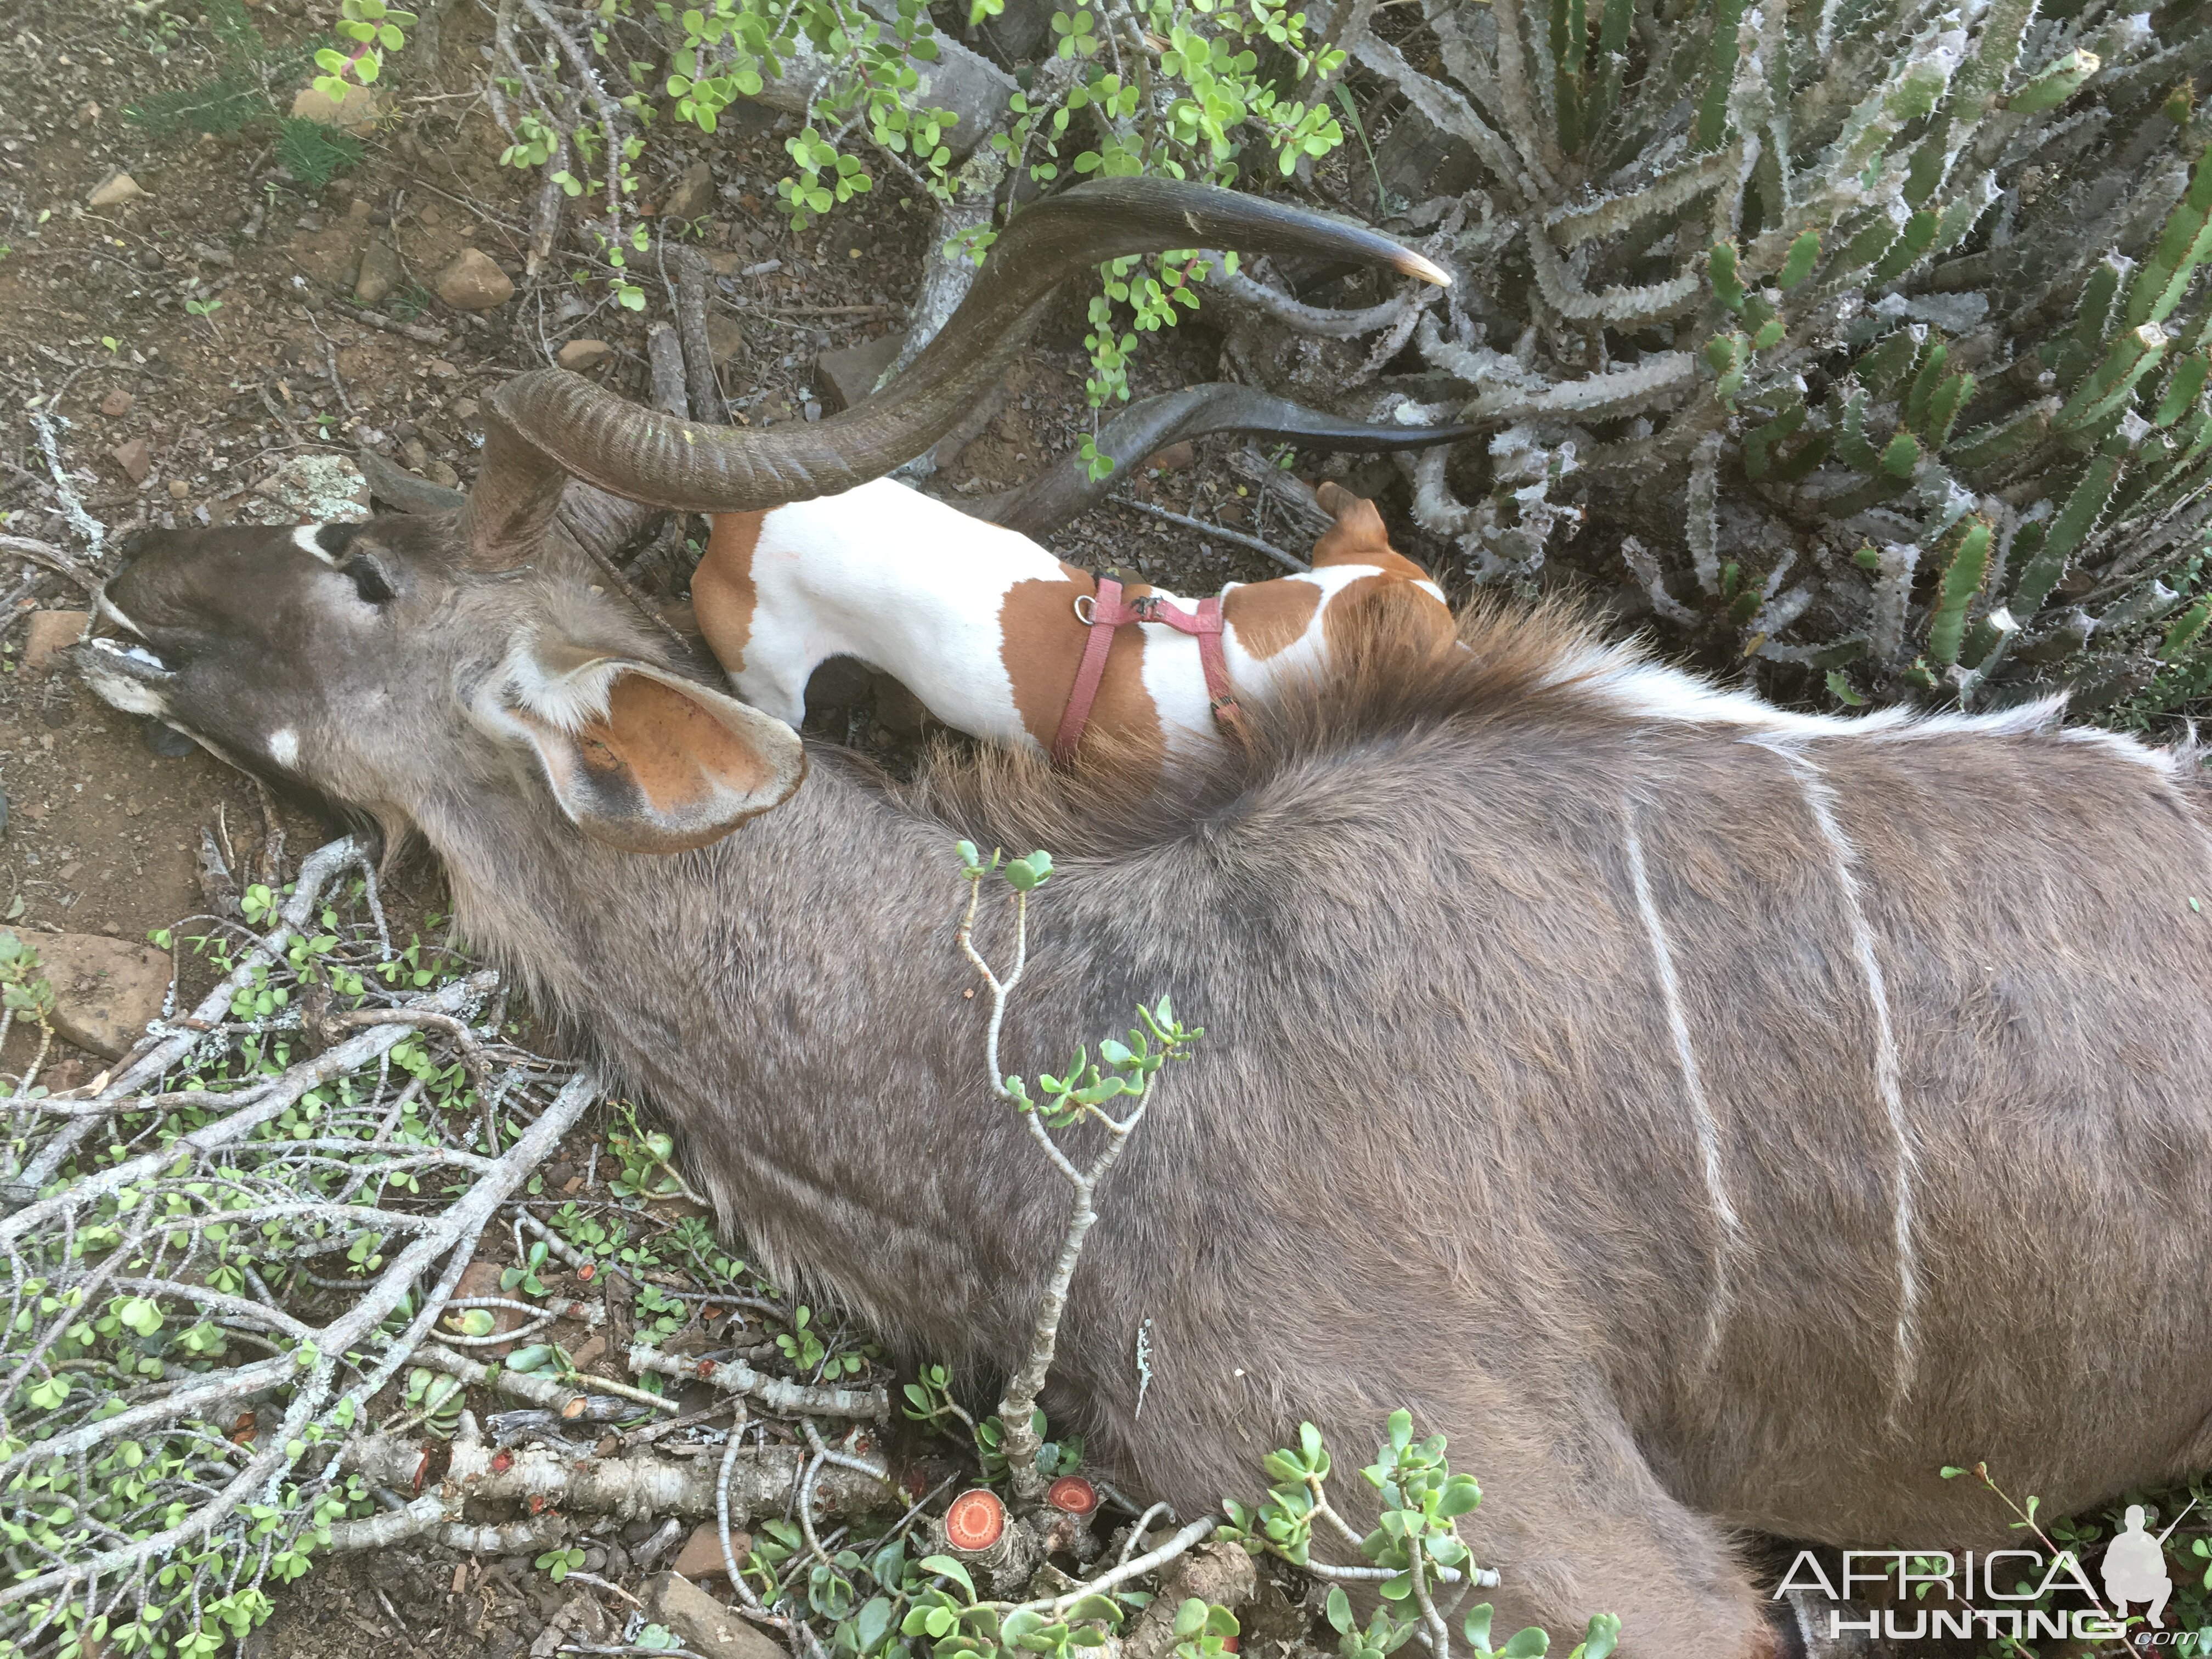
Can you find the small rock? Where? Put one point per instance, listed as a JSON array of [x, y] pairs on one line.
[[178, 489], [88, 115], [165, 740], [116, 403], [114, 191], [379, 274], [898, 711], [311, 489], [481, 1277], [359, 106], [104, 989], [582, 355], [694, 195], [48, 632], [707, 1627], [852, 373], [414, 454], [700, 1557], [724, 338], [438, 472], [1175, 458], [473, 282], [136, 458]]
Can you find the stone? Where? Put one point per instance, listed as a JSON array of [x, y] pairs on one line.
[[48, 632], [693, 197], [113, 191], [970, 85], [583, 356], [117, 404], [136, 458], [473, 282], [104, 989], [379, 274], [309, 489], [898, 711], [438, 473], [724, 338], [178, 489], [481, 1277], [1415, 161], [1175, 458], [358, 108], [700, 1557], [709, 1628], [852, 372]]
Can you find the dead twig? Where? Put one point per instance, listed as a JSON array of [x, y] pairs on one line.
[[1288, 561], [53, 558]]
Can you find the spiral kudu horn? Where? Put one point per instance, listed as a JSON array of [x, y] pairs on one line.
[[1151, 424], [547, 425]]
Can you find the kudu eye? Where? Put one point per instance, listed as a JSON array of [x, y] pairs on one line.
[[367, 579]]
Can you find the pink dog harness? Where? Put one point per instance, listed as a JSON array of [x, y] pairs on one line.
[[1105, 616]]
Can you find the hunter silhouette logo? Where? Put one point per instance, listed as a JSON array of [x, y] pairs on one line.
[[2135, 1567]]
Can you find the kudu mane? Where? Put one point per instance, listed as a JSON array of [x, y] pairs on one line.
[[1382, 688]]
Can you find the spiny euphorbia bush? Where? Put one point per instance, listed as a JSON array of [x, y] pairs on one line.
[[1862, 342]]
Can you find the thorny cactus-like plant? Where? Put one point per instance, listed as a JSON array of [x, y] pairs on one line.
[[1863, 340]]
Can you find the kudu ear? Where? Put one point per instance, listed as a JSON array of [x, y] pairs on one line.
[[644, 760]]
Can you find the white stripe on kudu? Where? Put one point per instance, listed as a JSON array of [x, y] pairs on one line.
[[1820, 800], [1694, 1087]]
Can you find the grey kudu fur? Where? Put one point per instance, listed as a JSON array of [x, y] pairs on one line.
[[1713, 1119]]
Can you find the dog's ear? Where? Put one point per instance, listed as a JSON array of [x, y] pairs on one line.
[[1358, 536]]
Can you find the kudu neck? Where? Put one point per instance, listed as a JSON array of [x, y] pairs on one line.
[[791, 999], [837, 861]]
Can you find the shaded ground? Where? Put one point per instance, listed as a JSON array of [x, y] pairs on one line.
[[165, 417]]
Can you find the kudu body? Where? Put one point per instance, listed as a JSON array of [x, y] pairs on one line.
[[1714, 1118]]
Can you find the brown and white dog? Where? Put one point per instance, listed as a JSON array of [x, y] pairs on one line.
[[982, 624]]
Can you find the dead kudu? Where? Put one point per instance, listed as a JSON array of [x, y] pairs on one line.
[[1714, 1118]]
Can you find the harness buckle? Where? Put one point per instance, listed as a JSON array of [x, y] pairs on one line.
[[1086, 609]]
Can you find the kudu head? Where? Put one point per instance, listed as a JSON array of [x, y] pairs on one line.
[[384, 664]]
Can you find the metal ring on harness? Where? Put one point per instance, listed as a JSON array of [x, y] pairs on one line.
[[1104, 614]]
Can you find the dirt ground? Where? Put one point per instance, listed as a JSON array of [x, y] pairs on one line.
[[162, 415]]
